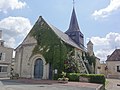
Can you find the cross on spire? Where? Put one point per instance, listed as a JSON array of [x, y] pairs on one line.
[[73, 3]]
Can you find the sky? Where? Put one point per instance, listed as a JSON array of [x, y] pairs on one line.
[[99, 20]]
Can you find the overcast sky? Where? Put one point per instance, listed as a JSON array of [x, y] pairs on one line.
[[99, 20]]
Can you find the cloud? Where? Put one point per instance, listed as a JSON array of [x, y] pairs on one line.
[[113, 6], [10, 42], [14, 29], [106, 45], [99, 41], [103, 53], [6, 5]]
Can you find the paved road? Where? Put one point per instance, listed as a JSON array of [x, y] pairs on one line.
[[41, 87], [112, 84], [11, 85]]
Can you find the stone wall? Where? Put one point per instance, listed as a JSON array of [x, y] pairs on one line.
[[24, 60]]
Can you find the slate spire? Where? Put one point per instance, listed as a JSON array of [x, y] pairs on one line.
[[74, 31], [73, 22]]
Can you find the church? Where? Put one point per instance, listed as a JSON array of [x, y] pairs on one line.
[[46, 51]]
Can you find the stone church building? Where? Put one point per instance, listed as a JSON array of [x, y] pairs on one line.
[[47, 51]]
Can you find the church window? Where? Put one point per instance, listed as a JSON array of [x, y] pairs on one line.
[[118, 68]]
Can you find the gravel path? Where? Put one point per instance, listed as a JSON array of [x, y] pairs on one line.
[[31, 84]]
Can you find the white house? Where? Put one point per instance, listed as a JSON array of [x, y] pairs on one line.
[[5, 58], [113, 64]]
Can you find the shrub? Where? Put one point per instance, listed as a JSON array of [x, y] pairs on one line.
[[64, 78], [73, 76], [95, 78]]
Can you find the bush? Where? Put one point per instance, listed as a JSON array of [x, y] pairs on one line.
[[73, 76], [95, 78], [64, 78]]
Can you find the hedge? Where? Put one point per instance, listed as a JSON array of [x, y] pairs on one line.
[[93, 78], [73, 76]]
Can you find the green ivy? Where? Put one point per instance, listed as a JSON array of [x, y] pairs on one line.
[[53, 49], [91, 61], [71, 65]]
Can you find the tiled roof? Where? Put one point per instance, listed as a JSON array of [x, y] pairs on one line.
[[115, 56]]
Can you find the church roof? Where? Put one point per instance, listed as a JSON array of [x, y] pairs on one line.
[[64, 36], [115, 56], [73, 23]]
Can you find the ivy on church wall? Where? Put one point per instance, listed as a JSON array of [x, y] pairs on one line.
[[71, 64], [53, 49], [91, 62]]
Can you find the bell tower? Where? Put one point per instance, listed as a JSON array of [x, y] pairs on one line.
[[90, 48], [74, 31]]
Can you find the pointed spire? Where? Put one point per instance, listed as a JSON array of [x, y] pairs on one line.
[[90, 43], [74, 31], [73, 23]]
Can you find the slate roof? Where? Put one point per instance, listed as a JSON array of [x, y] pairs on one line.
[[115, 56], [73, 23], [74, 31], [64, 36]]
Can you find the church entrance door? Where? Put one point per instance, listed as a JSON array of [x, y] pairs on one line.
[[38, 68]]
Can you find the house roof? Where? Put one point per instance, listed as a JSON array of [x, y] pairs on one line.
[[115, 56]]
